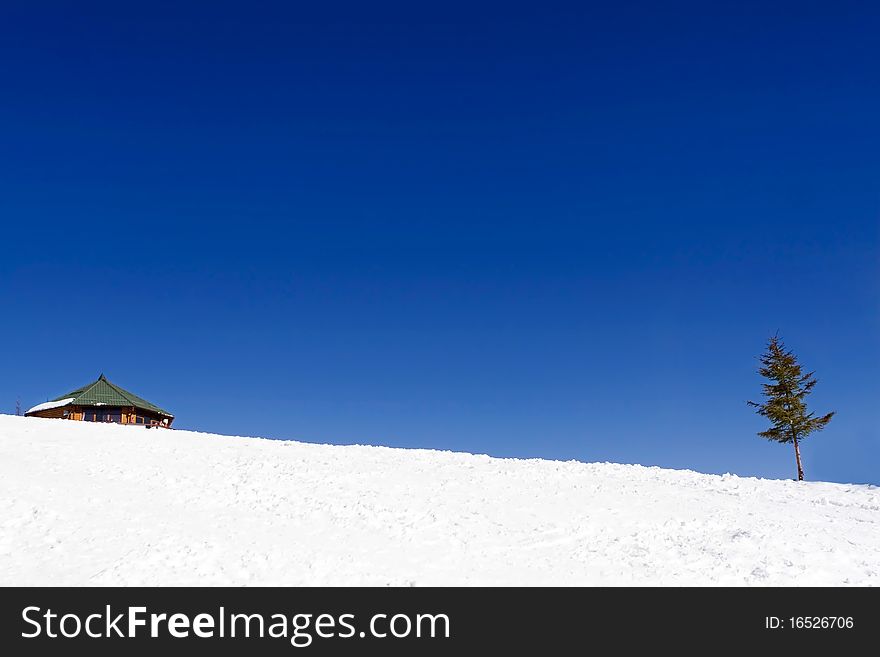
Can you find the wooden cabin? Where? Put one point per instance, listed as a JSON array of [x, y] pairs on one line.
[[102, 401]]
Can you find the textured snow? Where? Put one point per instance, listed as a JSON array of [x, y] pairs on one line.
[[85, 503], [45, 406]]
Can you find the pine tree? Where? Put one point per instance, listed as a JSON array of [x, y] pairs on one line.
[[785, 394]]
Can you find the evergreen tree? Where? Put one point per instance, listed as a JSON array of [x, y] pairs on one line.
[[785, 394]]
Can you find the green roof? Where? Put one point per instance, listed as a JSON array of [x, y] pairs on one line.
[[104, 393]]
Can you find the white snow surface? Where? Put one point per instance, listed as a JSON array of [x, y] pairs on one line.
[[84, 503], [45, 406]]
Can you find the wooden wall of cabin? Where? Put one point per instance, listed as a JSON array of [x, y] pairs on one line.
[[128, 416], [52, 413]]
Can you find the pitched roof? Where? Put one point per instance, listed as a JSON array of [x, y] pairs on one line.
[[104, 393]]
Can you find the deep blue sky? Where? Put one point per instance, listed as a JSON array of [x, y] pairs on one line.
[[546, 230]]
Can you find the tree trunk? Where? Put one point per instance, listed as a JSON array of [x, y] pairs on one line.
[[797, 456]]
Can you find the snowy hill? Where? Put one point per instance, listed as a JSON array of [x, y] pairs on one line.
[[82, 503]]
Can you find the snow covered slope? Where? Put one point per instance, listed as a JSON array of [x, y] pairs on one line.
[[102, 504]]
